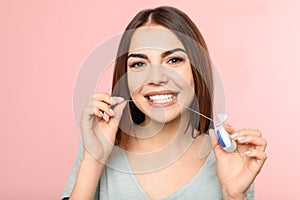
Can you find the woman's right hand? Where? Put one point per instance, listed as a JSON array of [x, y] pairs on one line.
[[99, 125]]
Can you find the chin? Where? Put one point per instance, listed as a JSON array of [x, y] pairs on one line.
[[163, 116]]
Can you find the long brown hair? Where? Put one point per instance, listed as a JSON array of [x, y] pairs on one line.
[[187, 32]]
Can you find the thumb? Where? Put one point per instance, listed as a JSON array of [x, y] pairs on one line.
[[213, 137], [118, 110], [215, 143]]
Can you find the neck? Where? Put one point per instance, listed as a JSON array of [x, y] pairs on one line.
[[154, 135]]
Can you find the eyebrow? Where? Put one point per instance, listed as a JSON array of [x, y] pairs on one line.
[[164, 54], [172, 51]]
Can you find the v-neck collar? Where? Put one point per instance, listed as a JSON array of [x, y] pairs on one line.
[[176, 193]]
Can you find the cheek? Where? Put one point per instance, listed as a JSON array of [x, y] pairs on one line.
[[187, 76], [190, 78], [135, 81]]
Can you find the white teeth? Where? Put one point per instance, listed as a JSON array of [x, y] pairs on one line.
[[164, 98]]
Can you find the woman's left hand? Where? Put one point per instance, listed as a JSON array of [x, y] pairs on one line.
[[237, 170]]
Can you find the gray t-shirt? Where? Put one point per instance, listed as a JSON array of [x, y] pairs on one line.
[[116, 184]]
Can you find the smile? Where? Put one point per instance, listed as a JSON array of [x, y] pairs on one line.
[[162, 98]]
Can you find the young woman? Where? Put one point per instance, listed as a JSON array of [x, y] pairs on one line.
[[143, 142]]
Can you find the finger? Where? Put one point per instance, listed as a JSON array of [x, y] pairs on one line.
[[101, 106], [101, 96], [214, 143], [261, 156], [105, 97], [258, 142], [244, 132], [117, 100], [217, 148], [230, 129], [89, 114], [213, 137], [93, 111], [249, 132], [118, 110]]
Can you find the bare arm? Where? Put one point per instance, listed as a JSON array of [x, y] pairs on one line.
[[98, 136], [87, 180]]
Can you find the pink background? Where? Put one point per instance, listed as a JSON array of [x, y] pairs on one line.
[[255, 45]]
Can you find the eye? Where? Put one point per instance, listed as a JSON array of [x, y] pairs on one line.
[[175, 60], [137, 64]]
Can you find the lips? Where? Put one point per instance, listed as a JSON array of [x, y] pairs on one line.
[[161, 98]]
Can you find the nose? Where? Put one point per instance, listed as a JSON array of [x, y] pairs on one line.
[[157, 75]]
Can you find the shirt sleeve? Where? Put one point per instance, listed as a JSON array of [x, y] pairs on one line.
[[73, 175], [250, 195]]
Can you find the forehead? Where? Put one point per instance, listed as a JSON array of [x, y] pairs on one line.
[[154, 37]]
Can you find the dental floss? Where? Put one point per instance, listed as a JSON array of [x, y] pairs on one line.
[[226, 142], [199, 113]]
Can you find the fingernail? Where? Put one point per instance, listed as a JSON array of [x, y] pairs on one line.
[[242, 138], [116, 100], [247, 152], [105, 117], [119, 99], [111, 112], [227, 124], [234, 135], [113, 101], [101, 113]]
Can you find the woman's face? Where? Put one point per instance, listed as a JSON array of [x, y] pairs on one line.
[[160, 78]]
